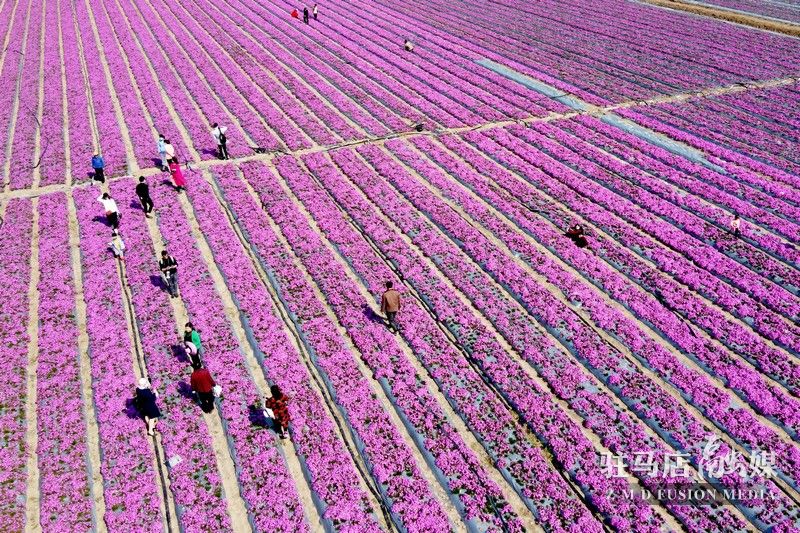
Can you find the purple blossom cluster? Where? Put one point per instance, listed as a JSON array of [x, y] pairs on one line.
[[405, 491], [194, 481], [15, 275], [332, 474], [65, 498], [262, 474], [129, 487]]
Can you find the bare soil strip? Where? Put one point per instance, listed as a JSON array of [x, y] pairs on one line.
[[753, 20], [32, 522]]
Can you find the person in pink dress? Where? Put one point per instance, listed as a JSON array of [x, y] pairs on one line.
[[177, 175]]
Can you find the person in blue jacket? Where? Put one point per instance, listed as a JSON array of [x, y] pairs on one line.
[[98, 165]]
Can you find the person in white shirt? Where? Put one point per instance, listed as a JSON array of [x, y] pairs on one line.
[[315, 11], [169, 150], [112, 213], [222, 140], [736, 225], [408, 46], [117, 245], [162, 152]]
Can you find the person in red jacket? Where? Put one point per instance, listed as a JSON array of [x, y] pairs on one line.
[[203, 385], [279, 404]]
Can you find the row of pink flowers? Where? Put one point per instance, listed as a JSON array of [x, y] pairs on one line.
[[333, 476], [15, 275], [129, 479], [64, 471], [262, 474], [194, 480]]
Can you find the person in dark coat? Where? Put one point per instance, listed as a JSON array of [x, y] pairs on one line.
[[203, 385], [279, 404], [143, 192], [577, 235], [305, 15], [145, 402]]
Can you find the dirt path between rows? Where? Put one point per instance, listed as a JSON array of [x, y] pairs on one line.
[[752, 20]]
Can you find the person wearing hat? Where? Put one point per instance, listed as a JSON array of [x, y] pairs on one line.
[[145, 402]]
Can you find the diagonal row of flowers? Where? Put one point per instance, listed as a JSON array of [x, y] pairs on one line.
[[503, 439], [743, 131], [194, 480], [393, 467], [465, 478], [604, 417], [764, 212], [769, 358], [675, 422], [15, 275], [126, 457], [52, 130], [262, 474], [130, 48], [331, 471], [619, 144], [756, 173], [504, 197], [455, 70], [737, 336], [239, 52], [759, 249], [91, 92], [65, 502], [27, 101], [629, 55]]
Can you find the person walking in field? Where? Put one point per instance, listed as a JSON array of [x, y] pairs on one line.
[[736, 225], [192, 335], [117, 245], [222, 140], [191, 350], [169, 272], [170, 151], [110, 206], [177, 175], [279, 405], [203, 385], [162, 152], [305, 15], [143, 192], [315, 11], [390, 305], [98, 165], [145, 402]]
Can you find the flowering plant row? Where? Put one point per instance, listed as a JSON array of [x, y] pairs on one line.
[[15, 275], [332, 474]]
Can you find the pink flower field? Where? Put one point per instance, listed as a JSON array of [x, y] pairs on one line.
[[590, 210]]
